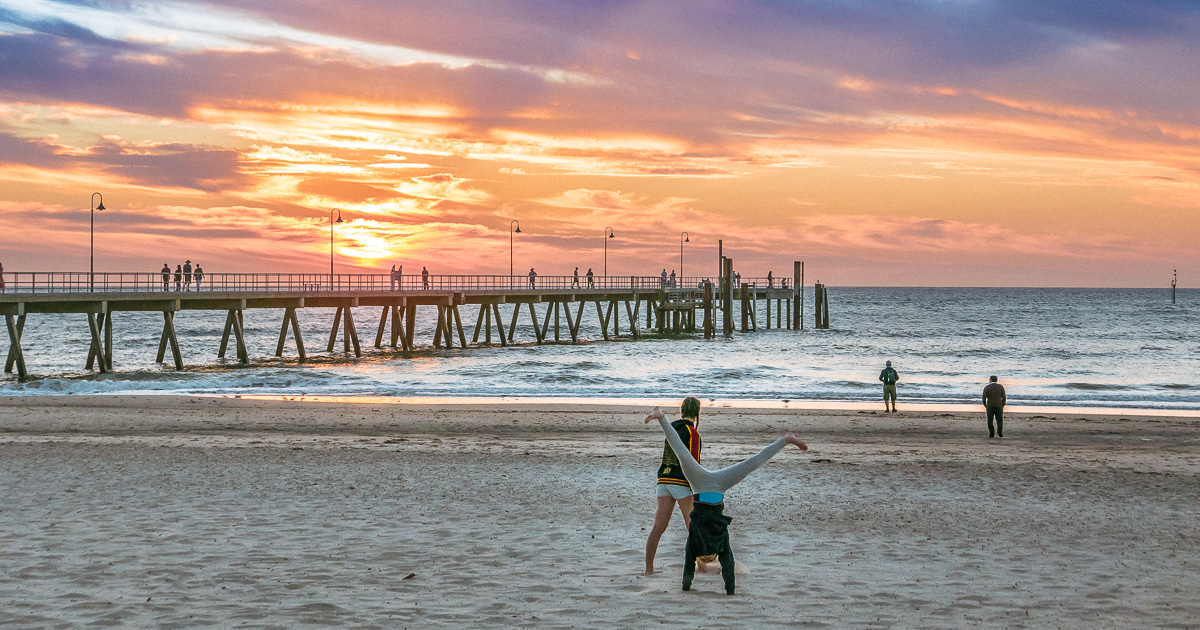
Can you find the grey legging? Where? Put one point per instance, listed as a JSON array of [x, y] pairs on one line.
[[703, 480]]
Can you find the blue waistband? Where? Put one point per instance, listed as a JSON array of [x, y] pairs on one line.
[[710, 497]]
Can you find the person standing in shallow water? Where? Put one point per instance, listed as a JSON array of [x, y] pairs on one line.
[[673, 487], [994, 399], [889, 377]]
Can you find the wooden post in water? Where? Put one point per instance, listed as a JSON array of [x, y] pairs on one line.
[[825, 306], [745, 300], [290, 321], [798, 295], [727, 298]]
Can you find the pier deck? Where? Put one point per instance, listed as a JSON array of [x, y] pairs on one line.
[[662, 306]]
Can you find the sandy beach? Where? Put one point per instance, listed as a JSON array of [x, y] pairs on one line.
[[178, 512]]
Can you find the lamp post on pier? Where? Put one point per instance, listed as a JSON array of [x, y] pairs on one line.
[[683, 238], [608, 233], [92, 240], [510, 248], [331, 222]]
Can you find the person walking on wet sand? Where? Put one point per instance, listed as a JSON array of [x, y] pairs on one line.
[[166, 276], [889, 377], [994, 400]]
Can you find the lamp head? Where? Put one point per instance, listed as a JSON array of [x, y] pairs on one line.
[[339, 219], [101, 206], [518, 231], [687, 239], [612, 235]]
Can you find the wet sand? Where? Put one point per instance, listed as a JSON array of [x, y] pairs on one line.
[[177, 512]]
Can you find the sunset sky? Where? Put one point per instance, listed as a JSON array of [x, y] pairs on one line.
[[907, 142]]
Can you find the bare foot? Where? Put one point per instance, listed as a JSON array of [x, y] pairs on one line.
[[647, 572], [791, 438]]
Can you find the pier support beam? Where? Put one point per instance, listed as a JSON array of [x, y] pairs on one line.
[[16, 357], [290, 321], [104, 323], [168, 338], [96, 351], [344, 315], [233, 322]]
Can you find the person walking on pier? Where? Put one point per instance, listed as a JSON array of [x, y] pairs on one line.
[[166, 276], [178, 277], [198, 275], [532, 278], [3, 286], [994, 399], [889, 377], [591, 278], [770, 280], [397, 275], [187, 275], [424, 278], [663, 276], [575, 280]]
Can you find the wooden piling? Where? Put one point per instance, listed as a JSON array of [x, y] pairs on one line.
[[798, 295], [16, 357], [727, 298]]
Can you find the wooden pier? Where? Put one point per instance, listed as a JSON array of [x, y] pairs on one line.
[[645, 303]]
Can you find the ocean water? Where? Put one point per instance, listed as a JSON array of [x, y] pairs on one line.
[[1120, 348]]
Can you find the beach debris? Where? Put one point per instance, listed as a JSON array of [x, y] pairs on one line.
[[410, 575]]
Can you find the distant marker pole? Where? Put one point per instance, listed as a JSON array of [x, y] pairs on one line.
[[1174, 279]]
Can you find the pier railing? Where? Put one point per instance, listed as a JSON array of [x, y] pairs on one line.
[[43, 282]]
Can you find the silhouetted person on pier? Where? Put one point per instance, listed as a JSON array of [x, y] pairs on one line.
[[178, 277], [994, 399], [737, 280], [532, 278], [198, 275], [889, 377], [397, 275], [187, 275], [770, 280], [3, 286], [663, 281], [591, 278], [166, 276], [575, 281], [672, 279], [424, 278]]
